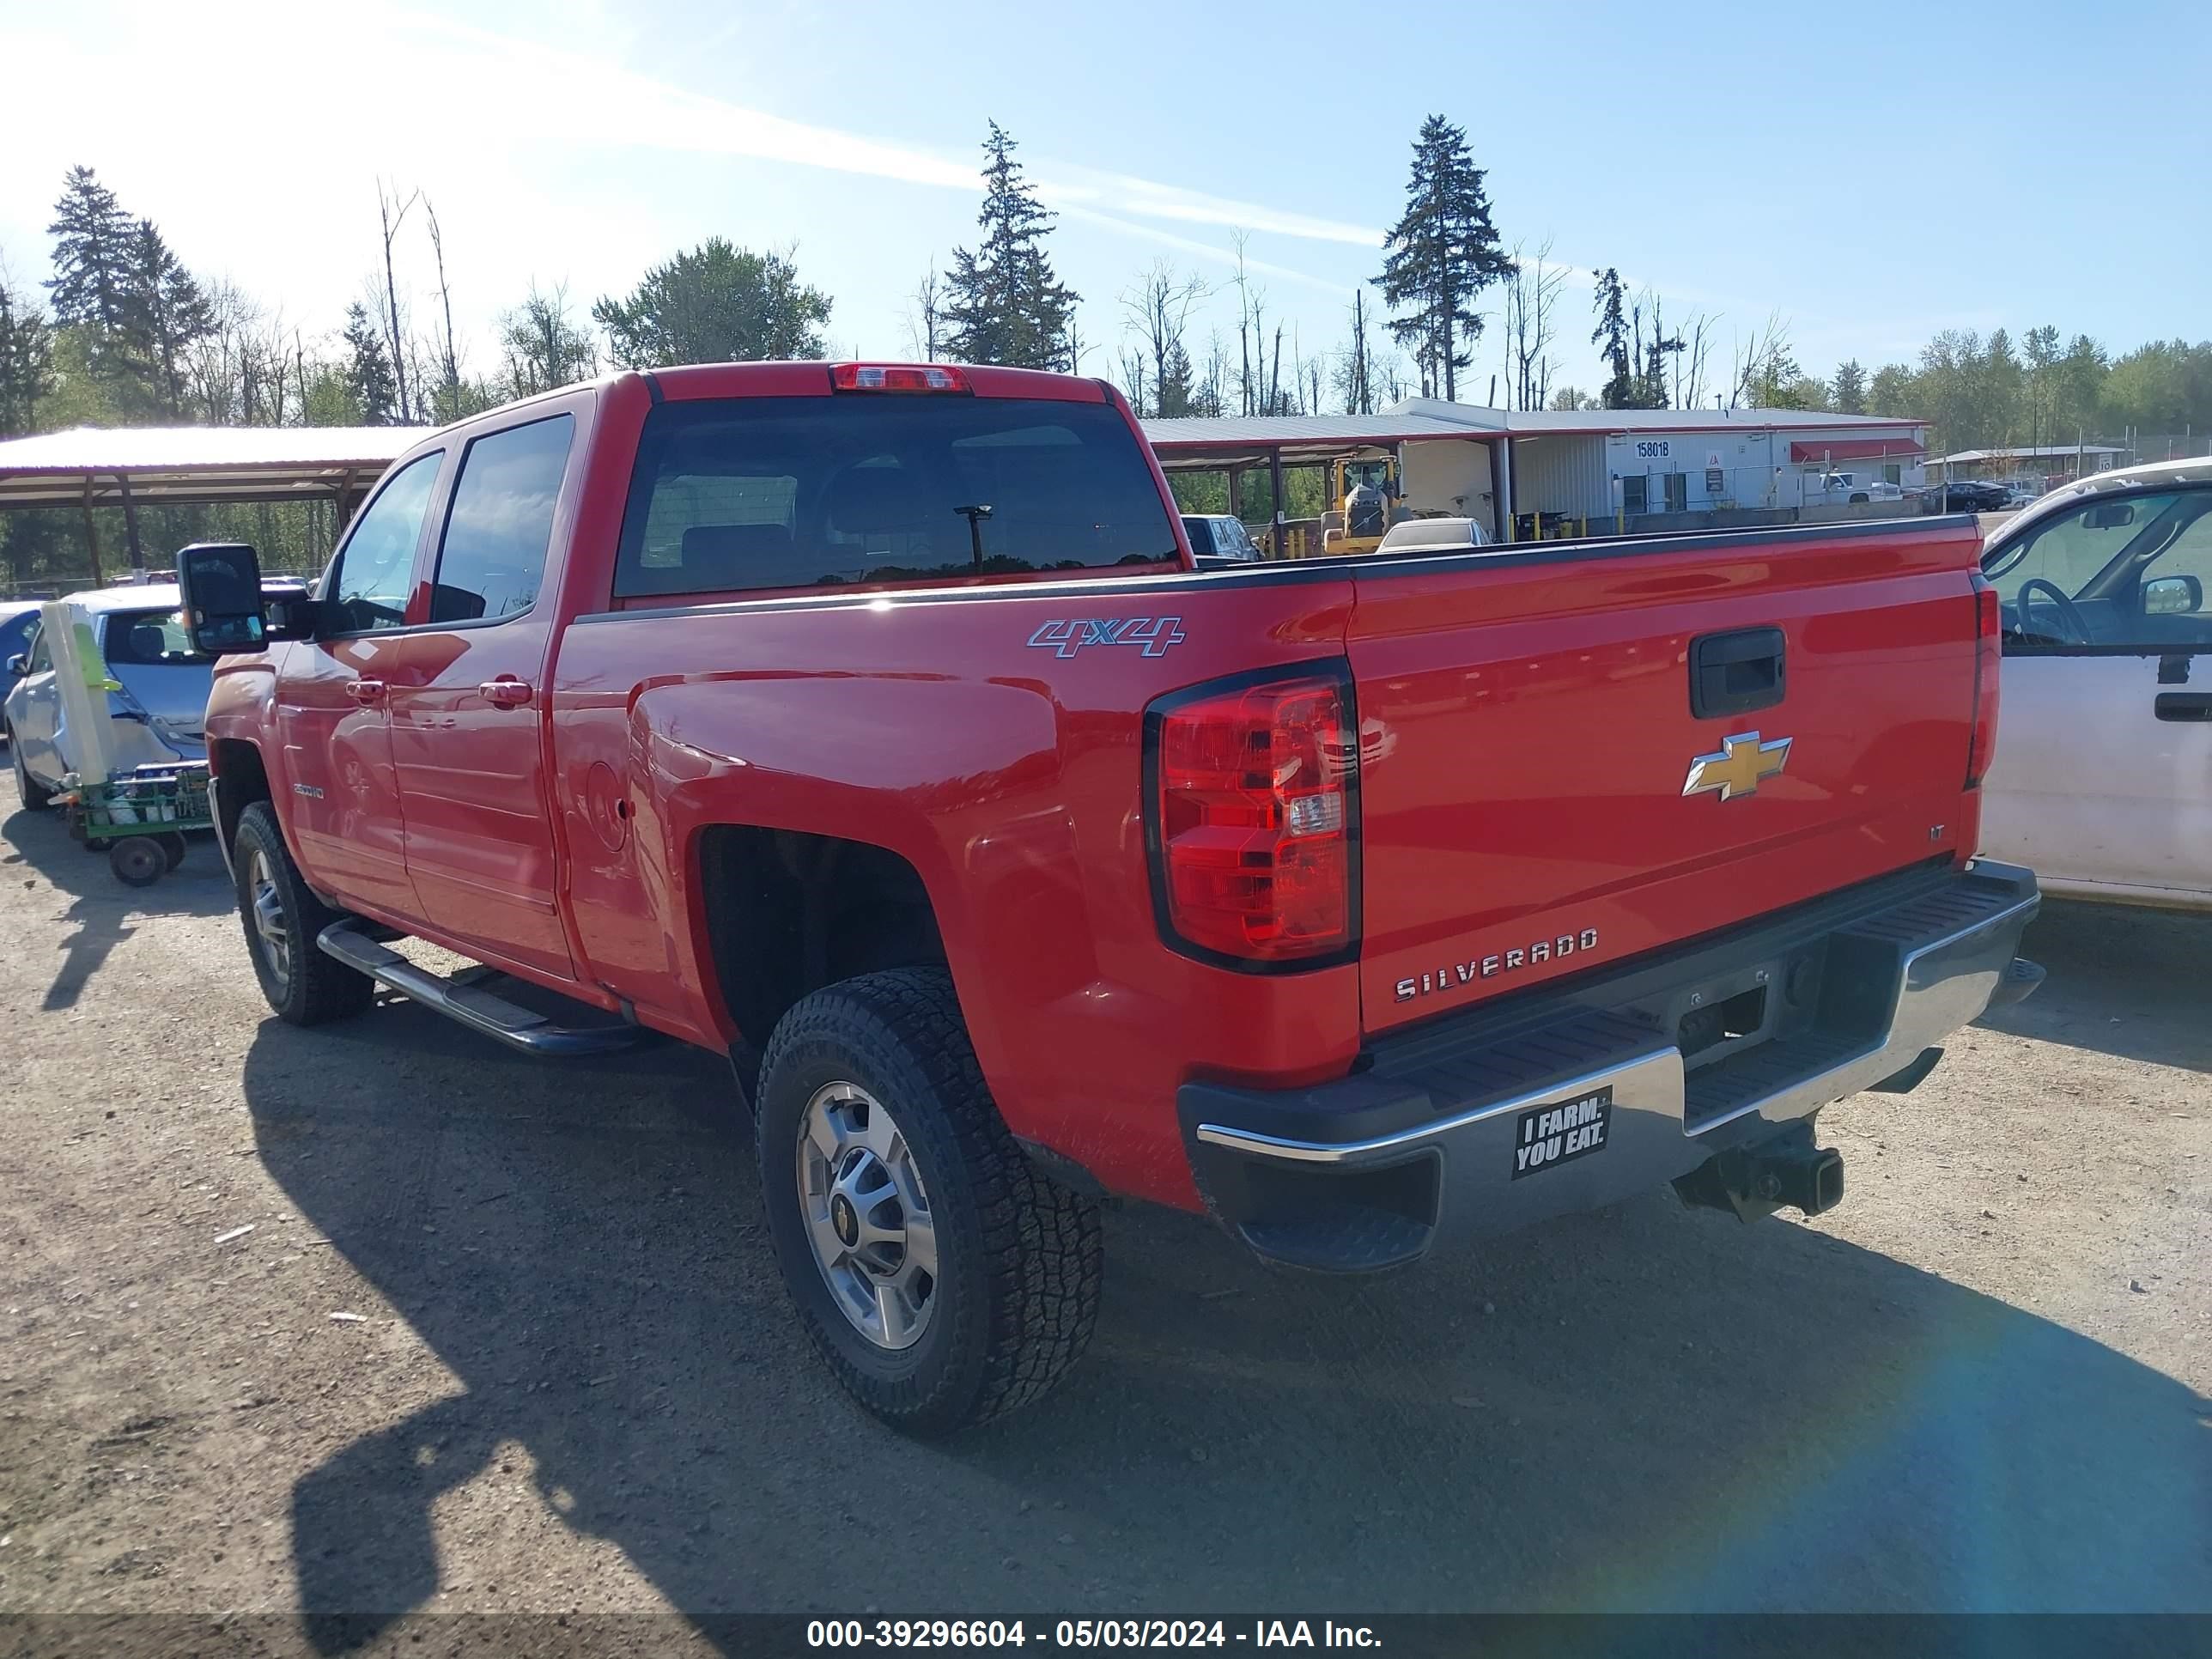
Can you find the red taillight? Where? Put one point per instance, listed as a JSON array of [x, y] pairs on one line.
[[896, 377], [1989, 651], [1254, 814]]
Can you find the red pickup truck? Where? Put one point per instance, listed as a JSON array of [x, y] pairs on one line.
[[873, 725]]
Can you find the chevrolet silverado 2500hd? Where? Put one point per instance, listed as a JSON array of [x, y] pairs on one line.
[[871, 725]]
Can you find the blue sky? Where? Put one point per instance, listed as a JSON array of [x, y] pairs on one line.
[[1872, 173]]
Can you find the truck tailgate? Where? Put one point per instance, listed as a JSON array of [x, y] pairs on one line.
[[1528, 744]]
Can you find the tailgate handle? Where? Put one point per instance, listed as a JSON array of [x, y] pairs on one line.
[[1735, 672], [2184, 706]]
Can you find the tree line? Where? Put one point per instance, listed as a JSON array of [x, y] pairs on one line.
[[122, 332]]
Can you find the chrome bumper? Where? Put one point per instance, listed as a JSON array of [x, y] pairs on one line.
[[1851, 993]]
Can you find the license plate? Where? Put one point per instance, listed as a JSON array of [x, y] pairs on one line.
[[1551, 1135]]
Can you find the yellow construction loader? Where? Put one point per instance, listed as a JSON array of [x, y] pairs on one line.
[[1364, 493]]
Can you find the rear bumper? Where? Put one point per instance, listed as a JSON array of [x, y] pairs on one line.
[[1570, 1099]]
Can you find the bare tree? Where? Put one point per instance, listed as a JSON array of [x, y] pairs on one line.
[[1159, 309], [925, 316], [1532, 291], [391, 216], [1690, 366], [545, 344], [1210, 396], [1245, 319], [1761, 363], [449, 359], [1134, 367], [1355, 364]]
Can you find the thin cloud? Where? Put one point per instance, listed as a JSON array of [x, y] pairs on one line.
[[655, 114], [1202, 250]]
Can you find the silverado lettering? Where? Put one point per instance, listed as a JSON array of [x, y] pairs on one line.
[[736, 703], [1504, 962]]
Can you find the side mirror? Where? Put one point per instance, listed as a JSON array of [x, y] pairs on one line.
[[225, 607], [220, 583], [19, 664], [2172, 596]]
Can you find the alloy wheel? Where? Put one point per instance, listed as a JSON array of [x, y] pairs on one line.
[[267, 913], [867, 1216]]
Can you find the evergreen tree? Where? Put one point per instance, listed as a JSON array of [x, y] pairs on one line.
[[26, 361], [1442, 251], [1610, 337], [1850, 391], [92, 239], [1006, 304], [93, 278], [368, 381], [715, 304], [168, 314]]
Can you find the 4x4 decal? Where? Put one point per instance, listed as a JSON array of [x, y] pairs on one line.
[[1065, 637]]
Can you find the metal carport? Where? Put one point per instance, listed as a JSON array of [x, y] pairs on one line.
[[134, 466]]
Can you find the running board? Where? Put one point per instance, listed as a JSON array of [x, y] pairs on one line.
[[479, 1010]]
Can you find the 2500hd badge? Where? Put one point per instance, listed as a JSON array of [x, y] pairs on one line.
[[1559, 1135]]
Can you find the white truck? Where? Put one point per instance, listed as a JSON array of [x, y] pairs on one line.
[[2103, 774]]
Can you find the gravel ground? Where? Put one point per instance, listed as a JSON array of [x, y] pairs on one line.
[[380, 1319]]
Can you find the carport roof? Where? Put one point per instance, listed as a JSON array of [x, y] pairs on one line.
[[1316, 436], [195, 464], [1202, 442]]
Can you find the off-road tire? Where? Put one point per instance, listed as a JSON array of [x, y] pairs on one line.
[[34, 794], [1020, 1256], [319, 987]]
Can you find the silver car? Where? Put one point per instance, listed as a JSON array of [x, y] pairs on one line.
[[158, 713]]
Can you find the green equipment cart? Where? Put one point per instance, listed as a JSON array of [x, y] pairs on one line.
[[140, 816]]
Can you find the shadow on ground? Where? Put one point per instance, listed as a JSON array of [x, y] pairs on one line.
[[2123, 980], [1644, 1408], [103, 911]]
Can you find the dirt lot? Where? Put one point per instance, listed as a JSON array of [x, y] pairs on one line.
[[568, 1380]]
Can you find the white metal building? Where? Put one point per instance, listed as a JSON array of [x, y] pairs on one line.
[[1639, 463], [1596, 470]]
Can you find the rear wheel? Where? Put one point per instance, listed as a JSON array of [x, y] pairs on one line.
[[173, 847], [942, 1277], [32, 793], [283, 916]]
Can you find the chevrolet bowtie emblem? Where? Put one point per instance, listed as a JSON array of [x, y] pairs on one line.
[[1737, 766]]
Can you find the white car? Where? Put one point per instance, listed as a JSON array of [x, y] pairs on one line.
[[158, 714], [1410, 534], [2102, 778]]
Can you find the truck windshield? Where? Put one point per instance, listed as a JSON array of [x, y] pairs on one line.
[[790, 492]]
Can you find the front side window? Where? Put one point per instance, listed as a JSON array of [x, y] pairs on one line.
[[368, 583], [42, 659], [2126, 573], [824, 492], [500, 523]]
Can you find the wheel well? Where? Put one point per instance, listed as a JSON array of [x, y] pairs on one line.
[[789, 913], [245, 780]]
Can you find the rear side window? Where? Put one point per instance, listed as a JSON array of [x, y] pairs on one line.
[[149, 639], [500, 523], [790, 492]]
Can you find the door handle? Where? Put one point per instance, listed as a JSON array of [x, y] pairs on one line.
[[2184, 706], [506, 693], [365, 692]]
